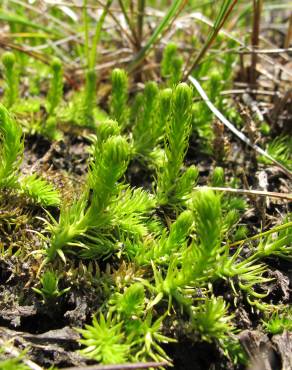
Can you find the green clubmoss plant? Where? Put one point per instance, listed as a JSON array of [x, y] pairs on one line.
[[278, 322], [211, 319], [277, 244], [172, 186], [55, 93], [49, 289], [39, 190], [54, 98], [89, 211], [147, 335], [144, 131], [119, 98], [11, 79], [88, 101], [11, 150], [11, 155], [104, 341], [171, 65], [130, 304], [170, 243], [280, 149]]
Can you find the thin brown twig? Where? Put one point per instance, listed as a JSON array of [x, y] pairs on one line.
[[140, 20], [123, 30], [257, 10], [250, 91], [288, 37], [265, 51], [8, 45], [139, 365], [129, 22]]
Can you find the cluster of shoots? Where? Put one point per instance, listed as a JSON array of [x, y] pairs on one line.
[[175, 261]]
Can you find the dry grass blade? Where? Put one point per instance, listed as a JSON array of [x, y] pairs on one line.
[[288, 37], [139, 365], [129, 22], [260, 193], [257, 9], [233, 129]]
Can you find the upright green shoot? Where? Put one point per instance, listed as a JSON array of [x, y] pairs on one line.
[[11, 150], [55, 92], [89, 94], [89, 211], [146, 120], [118, 106], [11, 79], [89, 98], [178, 128], [171, 65]]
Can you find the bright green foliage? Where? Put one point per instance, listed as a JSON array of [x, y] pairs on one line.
[[11, 150], [11, 154], [106, 129], [55, 92], [147, 334], [217, 178], [134, 338], [208, 223], [186, 183], [50, 130], [104, 341], [163, 111], [146, 127], [171, 65], [131, 303], [280, 149], [179, 231], [105, 171], [212, 259], [156, 260], [39, 190], [202, 116], [49, 287], [178, 129], [149, 116], [207, 211], [211, 319], [88, 101], [279, 245], [91, 212], [131, 209], [206, 259], [11, 79], [172, 243], [119, 109], [54, 98], [278, 322]]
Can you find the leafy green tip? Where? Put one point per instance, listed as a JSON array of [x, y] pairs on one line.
[[8, 59]]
